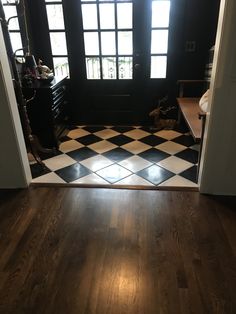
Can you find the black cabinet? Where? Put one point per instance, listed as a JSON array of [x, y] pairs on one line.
[[47, 112]]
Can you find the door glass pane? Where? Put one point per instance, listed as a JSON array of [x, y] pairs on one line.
[[61, 67], [93, 68], [10, 11], [158, 66], [125, 68], [125, 43], [55, 16], [124, 15], [91, 43], [58, 43], [107, 16], [16, 42], [109, 68], [89, 13], [160, 13], [108, 43], [159, 42]]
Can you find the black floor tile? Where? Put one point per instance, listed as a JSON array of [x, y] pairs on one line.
[[188, 154], [88, 139], [64, 139], [155, 174], [185, 140], [53, 153], [152, 140], [190, 174], [154, 155], [122, 129], [95, 128], [82, 153], [117, 154], [38, 170], [120, 140], [73, 172]]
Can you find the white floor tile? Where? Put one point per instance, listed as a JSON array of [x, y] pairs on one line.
[[96, 163], [135, 163], [48, 178], [136, 134], [114, 173], [171, 147], [175, 164], [90, 179], [136, 147], [102, 146], [69, 146], [77, 133], [178, 181], [59, 162], [168, 134], [107, 133], [134, 180]]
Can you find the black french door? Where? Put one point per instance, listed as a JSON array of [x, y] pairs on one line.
[[122, 52]]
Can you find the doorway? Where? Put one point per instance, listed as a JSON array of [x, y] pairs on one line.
[[123, 57]]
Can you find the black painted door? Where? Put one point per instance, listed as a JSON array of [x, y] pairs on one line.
[[123, 53]]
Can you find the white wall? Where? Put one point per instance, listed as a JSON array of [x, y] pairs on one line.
[[218, 165], [14, 167]]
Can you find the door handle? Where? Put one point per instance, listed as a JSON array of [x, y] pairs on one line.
[[137, 66]]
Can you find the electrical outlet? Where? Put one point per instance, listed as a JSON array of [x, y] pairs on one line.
[[190, 46]]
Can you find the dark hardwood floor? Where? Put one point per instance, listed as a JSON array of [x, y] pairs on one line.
[[71, 250]]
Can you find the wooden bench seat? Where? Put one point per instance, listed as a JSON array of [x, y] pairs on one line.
[[190, 110]]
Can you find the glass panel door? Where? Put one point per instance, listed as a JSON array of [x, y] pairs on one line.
[[108, 39]]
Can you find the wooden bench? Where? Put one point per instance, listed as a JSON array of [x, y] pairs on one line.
[[189, 107], [190, 110]]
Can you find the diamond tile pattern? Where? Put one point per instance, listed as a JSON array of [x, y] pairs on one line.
[[121, 155]]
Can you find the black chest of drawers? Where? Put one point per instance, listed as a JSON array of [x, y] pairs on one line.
[[47, 112]]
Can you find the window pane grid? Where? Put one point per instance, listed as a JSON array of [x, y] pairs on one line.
[[159, 38], [57, 36], [115, 39]]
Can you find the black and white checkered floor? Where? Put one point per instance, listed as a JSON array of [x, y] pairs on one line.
[[109, 155]]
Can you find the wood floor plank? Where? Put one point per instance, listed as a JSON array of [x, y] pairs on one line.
[[71, 250]]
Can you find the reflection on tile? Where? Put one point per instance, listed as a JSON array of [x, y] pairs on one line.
[[134, 180], [107, 133], [59, 162], [90, 179], [68, 146], [73, 172], [51, 177], [136, 147], [175, 164], [171, 147], [102, 147], [195, 147], [168, 134], [77, 133], [178, 181], [96, 163], [114, 173], [154, 155], [155, 174], [137, 134], [135, 163], [117, 154]]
